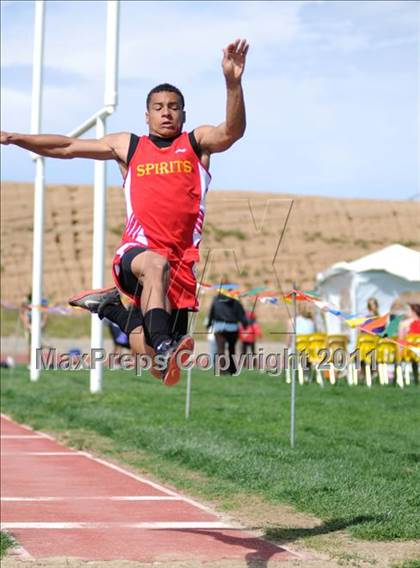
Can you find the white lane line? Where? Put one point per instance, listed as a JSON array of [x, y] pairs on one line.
[[27, 428], [20, 437], [139, 478], [132, 475], [5, 417], [44, 435], [113, 525], [173, 494], [23, 426], [43, 454], [153, 484], [93, 498]]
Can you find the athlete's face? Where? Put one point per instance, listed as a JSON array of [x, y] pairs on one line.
[[165, 115]]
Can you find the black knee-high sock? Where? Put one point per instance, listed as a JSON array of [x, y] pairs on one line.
[[157, 323], [126, 320]]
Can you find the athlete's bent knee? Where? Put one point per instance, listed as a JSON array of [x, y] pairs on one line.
[[155, 265]]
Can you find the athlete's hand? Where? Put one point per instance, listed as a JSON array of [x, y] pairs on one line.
[[4, 137], [233, 63]]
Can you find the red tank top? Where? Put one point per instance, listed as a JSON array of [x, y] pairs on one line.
[[165, 191], [414, 327]]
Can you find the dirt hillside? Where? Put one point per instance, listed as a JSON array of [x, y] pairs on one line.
[[242, 236]]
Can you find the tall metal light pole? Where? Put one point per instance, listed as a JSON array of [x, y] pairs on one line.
[[99, 202], [38, 235]]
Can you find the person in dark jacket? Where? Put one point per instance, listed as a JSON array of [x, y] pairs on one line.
[[225, 315]]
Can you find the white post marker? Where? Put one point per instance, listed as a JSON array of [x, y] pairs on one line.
[[98, 120], [407, 371], [293, 374], [111, 73], [98, 252], [99, 204], [189, 370], [188, 394], [332, 374], [37, 259], [399, 376], [368, 374]]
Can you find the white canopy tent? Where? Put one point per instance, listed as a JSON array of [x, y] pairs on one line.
[[384, 275]]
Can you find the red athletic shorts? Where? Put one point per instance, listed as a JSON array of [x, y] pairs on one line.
[[182, 280]]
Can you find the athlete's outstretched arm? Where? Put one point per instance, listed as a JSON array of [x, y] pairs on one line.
[[219, 138], [110, 147]]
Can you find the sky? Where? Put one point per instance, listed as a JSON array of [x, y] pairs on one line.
[[331, 88]]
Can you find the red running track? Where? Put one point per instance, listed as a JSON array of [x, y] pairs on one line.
[[61, 502]]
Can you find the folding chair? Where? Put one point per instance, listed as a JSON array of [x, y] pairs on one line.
[[388, 355], [365, 349], [410, 358], [335, 344], [317, 343]]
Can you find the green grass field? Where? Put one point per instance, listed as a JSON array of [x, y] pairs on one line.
[[6, 542], [58, 325], [356, 464]]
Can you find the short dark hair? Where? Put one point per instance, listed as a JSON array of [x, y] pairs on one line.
[[416, 309], [165, 87]]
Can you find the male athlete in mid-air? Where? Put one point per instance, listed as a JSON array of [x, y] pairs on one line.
[[165, 183]]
